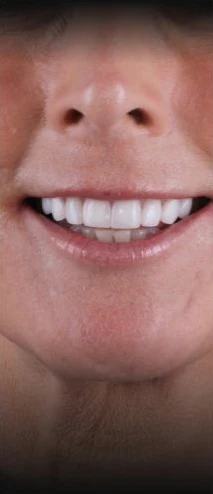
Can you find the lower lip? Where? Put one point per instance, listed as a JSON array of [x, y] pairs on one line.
[[75, 246]]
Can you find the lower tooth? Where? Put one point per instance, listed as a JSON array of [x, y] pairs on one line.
[[88, 232], [108, 235], [76, 228], [104, 235], [143, 232], [122, 235], [84, 230]]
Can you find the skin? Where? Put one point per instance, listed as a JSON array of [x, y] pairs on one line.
[[105, 369]]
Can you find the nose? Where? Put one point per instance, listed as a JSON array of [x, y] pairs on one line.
[[108, 102]]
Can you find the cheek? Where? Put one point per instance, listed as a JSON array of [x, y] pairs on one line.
[[194, 103], [20, 108]]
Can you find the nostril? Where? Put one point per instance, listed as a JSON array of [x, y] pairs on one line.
[[73, 116], [140, 117]]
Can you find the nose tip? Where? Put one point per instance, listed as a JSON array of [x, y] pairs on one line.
[[106, 107], [98, 106]]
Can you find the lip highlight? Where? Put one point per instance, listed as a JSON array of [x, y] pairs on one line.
[[76, 247]]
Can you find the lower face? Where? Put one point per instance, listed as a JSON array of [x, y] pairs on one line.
[[89, 309]]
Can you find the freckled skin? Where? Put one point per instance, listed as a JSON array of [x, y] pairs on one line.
[[73, 335]]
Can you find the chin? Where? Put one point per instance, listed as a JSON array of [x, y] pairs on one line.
[[118, 353]]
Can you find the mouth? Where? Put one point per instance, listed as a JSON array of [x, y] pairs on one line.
[[116, 231], [119, 221]]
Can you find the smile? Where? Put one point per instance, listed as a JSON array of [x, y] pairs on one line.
[[114, 232], [118, 221]]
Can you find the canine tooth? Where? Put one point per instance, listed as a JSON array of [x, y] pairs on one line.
[[122, 235], [74, 211], [104, 235], [170, 211], [151, 212], [58, 209], [97, 213], [46, 205], [185, 207], [126, 214]]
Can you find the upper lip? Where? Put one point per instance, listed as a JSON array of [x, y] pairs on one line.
[[123, 177], [106, 194]]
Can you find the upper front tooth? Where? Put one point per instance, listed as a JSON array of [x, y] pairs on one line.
[[170, 211], [185, 207], [151, 212], [47, 205], [58, 209], [97, 213], [126, 214], [74, 211], [121, 214]]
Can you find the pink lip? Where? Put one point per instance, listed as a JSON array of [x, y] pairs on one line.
[[74, 246], [146, 193]]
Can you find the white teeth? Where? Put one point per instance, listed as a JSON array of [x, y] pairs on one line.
[[151, 212], [97, 213], [122, 235], [46, 205], [120, 221], [74, 211], [170, 211], [104, 235], [126, 214], [58, 209], [185, 207]]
